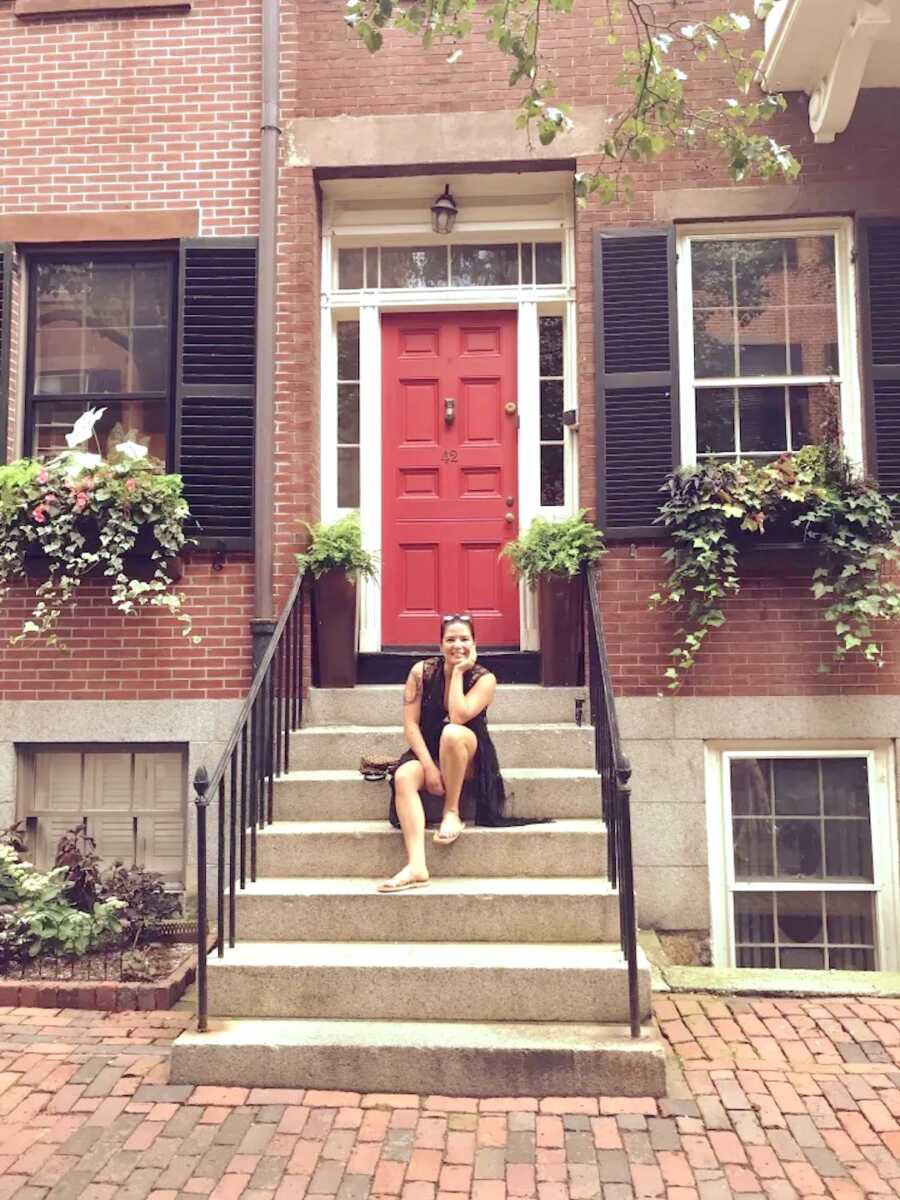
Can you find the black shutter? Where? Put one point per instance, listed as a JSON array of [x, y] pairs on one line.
[[879, 244], [217, 387], [637, 380], [6, 274]]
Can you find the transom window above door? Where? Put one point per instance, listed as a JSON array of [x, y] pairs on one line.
[[501, 264], [766, 347]]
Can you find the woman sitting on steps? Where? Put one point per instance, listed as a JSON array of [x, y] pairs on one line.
[[445, 705]]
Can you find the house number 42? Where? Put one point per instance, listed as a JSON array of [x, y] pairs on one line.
[[450, 456]]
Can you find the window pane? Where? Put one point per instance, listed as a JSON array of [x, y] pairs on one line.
[[750, 786], [848, 850], [350, 269], [799, 849], [765, 306], [551, 410], [551, 345], [799, 918], [102, 328], [484, 266], [413, 267], [348, 412], [715, 421], [143, 421], [552, 489], [527, 263], [845, 787], [548, 262], [850, 918], [348, 350], [754, 917], [796, 786], [762, 419], [348, 476], [797, 936], [815, 414], [753, 850], [372, 267]]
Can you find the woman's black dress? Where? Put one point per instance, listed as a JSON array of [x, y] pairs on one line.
[[483, 797]]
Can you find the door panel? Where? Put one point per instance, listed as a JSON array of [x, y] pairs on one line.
[[449, 478]]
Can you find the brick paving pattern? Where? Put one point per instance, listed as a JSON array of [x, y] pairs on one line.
[[769, 1100]]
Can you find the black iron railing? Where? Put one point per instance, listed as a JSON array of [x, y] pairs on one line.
[[615, 773], [242, 786]]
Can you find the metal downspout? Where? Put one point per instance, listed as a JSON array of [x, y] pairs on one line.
[[263, 622]]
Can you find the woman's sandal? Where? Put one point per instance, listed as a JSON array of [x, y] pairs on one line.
[[388, 887], [447, 839]]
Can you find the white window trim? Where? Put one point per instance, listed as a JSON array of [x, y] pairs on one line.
[[848, 333], [529, 300], [883, 820]]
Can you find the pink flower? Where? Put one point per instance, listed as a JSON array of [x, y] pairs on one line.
[[38, 514], [42, 476], [130, 485], [81, 501], [49, 498]]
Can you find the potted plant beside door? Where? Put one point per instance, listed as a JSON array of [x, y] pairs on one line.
[[551, 555], [336, 559]]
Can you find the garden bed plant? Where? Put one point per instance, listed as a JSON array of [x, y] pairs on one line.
[[77, 921], [83, 515], [715, 511]]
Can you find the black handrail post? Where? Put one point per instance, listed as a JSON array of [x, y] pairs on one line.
[[233, 838], [615, 775], [201, 802], [220, 872]]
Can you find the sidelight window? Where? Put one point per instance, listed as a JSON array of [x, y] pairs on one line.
[[348, 414]]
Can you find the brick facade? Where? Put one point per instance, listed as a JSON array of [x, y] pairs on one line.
[[160, 112]]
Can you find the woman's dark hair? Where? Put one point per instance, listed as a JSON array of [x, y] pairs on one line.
[[457, 619]]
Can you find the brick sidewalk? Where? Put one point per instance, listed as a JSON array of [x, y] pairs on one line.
[[770, 1100]]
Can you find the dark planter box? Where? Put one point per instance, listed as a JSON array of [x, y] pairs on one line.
[[138, 563], [560, 620], [334, 614]]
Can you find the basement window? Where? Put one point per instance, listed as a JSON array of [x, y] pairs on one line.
[[808, 884], [130, 801]]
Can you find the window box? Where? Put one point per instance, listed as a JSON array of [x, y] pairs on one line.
[[139, 562]]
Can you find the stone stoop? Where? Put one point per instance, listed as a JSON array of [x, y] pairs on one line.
[[503, 977]]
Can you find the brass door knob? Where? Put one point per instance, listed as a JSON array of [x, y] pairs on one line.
[[509, 518], [511, 407]]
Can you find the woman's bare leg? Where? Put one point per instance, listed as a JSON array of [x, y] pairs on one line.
[[457, 756], [408, 782]]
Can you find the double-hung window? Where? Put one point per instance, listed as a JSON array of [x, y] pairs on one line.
[[803, 840], [767, 352], [101, 336]]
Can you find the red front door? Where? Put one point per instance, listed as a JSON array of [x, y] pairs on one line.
[[449, 475]]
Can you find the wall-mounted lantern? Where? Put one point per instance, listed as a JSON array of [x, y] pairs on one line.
[[443, 212]]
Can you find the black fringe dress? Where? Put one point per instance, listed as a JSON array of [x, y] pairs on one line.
[[483, 797]]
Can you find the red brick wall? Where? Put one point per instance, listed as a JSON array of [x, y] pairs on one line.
[[135, 112], [774, 640]]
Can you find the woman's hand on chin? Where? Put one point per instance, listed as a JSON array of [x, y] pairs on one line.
[[465, 664], [434, 784]]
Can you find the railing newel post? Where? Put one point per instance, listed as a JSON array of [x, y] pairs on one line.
[[201, 802]]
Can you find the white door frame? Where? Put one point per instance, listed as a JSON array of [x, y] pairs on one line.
[[366, 306]]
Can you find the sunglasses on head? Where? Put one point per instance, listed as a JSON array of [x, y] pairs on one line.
[[449, 618]]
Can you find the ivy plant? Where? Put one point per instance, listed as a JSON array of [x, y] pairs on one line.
[[84, 514], [337, 545], [660, 50], [555, 547], [712, 511]]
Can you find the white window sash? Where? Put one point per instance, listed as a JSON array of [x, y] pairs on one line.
[[882, 823], [848, 379]]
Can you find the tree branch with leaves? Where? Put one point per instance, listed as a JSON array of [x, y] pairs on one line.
[[659, 46]]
